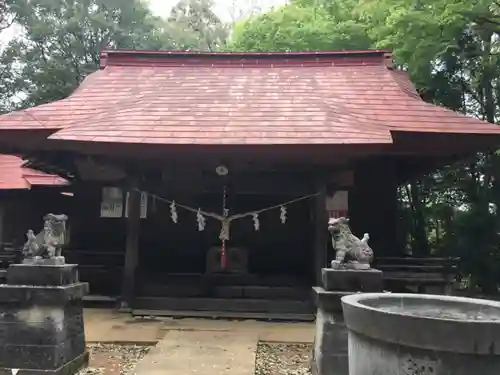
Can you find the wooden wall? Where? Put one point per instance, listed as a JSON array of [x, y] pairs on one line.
[[24, 209], [166, 247]]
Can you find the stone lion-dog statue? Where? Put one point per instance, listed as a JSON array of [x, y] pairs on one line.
[[49, 242], [350, 251]]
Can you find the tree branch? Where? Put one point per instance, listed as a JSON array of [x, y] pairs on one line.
[[4, 24]]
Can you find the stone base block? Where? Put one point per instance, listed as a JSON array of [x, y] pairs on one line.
[[41, 295], [56, 261], [330, 352], [41, 327], [349, 280], [328, 301], [337, 363], [69, 368], [41, 275]]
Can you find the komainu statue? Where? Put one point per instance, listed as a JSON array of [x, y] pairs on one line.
[[49, 242], [350, 251]]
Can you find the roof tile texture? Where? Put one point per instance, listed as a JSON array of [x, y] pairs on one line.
[[14, 176], [322, 100]]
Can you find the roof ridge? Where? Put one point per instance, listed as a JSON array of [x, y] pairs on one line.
[[105, 53], [111, 57]]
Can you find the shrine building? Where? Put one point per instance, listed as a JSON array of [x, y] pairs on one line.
[[204, 181]]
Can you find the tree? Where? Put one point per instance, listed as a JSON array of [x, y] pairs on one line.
[[9, 79], [193, 25], [451, 50], [239, 10], [299, 27], [63, 38], [458, 67], [7, 14]]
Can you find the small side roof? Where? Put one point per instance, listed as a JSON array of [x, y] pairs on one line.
[[14, 176]]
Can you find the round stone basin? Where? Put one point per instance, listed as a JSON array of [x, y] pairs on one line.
[[415, 334]]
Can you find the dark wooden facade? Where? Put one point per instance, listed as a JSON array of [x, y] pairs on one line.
[[24, 209], [156, 258]]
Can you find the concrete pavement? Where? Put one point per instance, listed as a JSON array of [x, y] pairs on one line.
[[201, 352], [192, 346], [108, 326]]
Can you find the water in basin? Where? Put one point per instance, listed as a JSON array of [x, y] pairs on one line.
[[437, 309]]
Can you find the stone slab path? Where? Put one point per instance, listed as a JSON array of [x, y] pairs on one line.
[[108, 326], [201, 352]]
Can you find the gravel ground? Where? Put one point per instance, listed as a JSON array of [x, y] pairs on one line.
[[109, 359], [283, 359]]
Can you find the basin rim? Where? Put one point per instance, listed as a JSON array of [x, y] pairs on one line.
[[467, 336]]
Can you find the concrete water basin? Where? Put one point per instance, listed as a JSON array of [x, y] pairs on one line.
[[411, 334]]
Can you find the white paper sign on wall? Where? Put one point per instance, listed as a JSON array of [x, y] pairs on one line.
[[338, 205], [112, 202], [144, 205]]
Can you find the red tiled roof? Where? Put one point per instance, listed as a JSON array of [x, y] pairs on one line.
[[244, 98], [13, 175], [58, 114]]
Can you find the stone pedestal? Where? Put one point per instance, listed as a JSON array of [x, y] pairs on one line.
[[41, 320], [330, 355], [366, 281]]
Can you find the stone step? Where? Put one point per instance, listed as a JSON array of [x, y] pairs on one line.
[[224, 304], [223, 279], [224, 291], [227, 315]]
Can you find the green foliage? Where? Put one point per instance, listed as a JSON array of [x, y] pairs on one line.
[[9, 78], [193, 25], [7, 16], [298, 28], [63, 38], [451, 50], [433, 37]]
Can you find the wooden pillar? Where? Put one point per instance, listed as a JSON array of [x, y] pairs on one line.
[[373, 205], [131, 249], [320, 232]]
